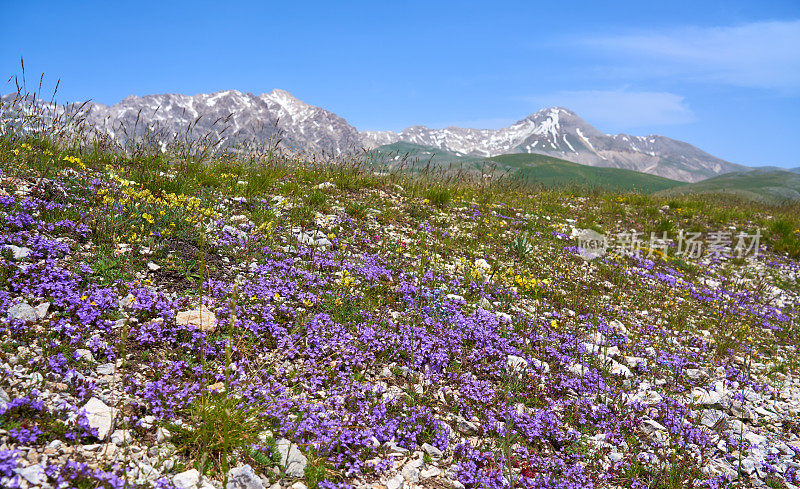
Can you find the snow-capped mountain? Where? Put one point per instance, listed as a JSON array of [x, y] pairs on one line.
[[243, 116], [554, 131], [560, 133]]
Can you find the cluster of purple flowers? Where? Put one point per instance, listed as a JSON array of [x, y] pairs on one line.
[[312, 348]]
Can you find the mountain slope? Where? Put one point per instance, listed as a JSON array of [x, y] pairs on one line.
[[417, 154], [770, 186], [561, 133], [549, 171], [538, 169]]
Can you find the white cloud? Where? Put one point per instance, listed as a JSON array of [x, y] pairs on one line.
[[616, 109], [759, 54]]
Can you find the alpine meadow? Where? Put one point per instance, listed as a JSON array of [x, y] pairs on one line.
[[230, 290]]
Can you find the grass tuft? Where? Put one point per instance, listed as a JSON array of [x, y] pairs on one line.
[[217, 428]]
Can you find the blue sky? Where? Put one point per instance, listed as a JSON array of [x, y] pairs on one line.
[[723, 75]]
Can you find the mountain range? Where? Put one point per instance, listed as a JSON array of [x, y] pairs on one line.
[[561, 133], [556, 132], [244, 115]]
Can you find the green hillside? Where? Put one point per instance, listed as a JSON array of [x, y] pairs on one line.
[[769, 186], [553, 172], [535, 168]]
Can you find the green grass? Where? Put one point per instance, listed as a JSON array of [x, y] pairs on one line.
[[317, 200], [439, 196], [787, 236], [302, 216], [218, 427], [357, 210], [108, 270]]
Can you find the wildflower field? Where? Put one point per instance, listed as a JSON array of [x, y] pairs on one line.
[[270, 320]]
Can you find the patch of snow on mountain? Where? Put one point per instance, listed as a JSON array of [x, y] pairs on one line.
[[570, 146], [289, 107], [585, 139], [549, 125]]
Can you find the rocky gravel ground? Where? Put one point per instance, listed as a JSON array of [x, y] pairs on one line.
[[316, 335]]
